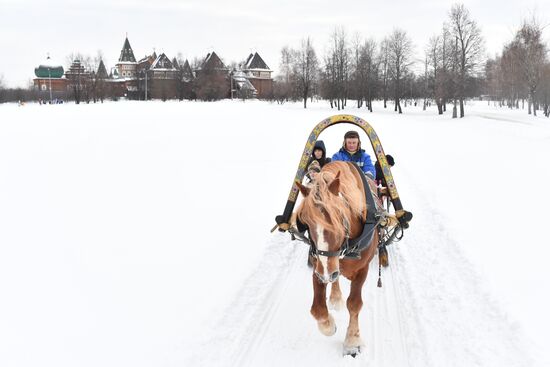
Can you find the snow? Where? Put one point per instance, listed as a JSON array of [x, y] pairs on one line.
[[137, 234]]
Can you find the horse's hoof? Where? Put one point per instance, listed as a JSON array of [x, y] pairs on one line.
[[327, 327], [352, 351]]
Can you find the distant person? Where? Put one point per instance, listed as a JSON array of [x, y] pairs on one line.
[[312, 171], [318, 155], [351, 152], [379, 174]]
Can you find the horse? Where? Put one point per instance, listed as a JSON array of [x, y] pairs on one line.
[[334, 208]]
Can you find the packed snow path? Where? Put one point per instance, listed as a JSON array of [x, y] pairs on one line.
[[429, 312]]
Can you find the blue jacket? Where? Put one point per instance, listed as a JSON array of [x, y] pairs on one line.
[[360, 157]]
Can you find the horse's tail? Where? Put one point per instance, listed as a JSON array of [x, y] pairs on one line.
[[383, 256]]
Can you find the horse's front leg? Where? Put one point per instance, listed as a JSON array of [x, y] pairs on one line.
[[335, 300], [353, 342], [319, 310]]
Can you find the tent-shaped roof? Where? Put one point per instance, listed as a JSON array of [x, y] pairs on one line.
[[126, 54], [256, 62], [187, 72], [212, 61], [162, 62], [102, 70], [175, 63]]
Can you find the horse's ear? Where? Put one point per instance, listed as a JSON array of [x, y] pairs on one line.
[[304, 190], [334, 186]]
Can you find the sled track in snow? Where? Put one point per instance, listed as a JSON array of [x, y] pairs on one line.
[[267, 307], [241, 327], [388, 334], [269, 323], [429, 310]]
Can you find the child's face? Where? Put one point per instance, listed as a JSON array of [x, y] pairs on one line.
[[318, 153]]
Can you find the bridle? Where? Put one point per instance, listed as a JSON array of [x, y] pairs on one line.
[[314, 251], [352, 248]]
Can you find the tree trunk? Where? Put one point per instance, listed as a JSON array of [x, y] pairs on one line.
[[454, 109], [534, 102], [461, 108]]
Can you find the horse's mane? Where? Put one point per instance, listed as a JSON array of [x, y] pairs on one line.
[[329, 210]]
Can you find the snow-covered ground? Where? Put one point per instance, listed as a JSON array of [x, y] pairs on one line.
[[137, 234]]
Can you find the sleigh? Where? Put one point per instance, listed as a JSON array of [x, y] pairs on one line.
[[345, 226], [394, 218]]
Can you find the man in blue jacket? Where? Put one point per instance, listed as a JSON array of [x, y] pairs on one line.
[[351, 152]]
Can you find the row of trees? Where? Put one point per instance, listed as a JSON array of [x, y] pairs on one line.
[[364, 70], [522, 71]]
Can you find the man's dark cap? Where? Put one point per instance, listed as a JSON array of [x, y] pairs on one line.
[[351, 134]]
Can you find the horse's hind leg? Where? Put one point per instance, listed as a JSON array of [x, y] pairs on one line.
[[335, 300], [353, 342], [319, 310]]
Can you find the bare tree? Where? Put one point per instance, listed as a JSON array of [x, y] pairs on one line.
[[329, 88], [384, 62], [400, 51], [283, 86], [370, 63], [358, 73], [337, 72], [433, 59], [287, 56], [469, 44], [305, 69], [2, 86], [514, 87], [342, 61], [545, 90], [531, 54], [493, 81]]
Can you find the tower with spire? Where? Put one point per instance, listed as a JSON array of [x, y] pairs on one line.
[[126, 65]]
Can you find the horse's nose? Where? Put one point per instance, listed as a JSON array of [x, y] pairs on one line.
[[321, 277], [334, 276]]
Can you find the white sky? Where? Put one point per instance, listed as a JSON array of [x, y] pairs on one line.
[[29, 29]]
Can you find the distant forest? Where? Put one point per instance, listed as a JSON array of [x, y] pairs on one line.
[[361, 70]]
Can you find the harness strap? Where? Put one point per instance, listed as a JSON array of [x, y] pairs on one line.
[[354, 247], [351, 248]]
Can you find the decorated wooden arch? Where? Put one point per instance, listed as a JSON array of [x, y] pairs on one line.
[[282, 220]]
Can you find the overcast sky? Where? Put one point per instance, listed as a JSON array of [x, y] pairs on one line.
[[29, 29]]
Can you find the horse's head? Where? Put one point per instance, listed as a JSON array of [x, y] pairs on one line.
[[326, 214]]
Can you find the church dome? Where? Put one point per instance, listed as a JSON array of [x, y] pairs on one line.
[[49, 69]]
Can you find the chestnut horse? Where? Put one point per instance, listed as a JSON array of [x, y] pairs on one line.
[[333, 208]]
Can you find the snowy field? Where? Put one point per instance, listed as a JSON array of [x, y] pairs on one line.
[[137, 234]]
